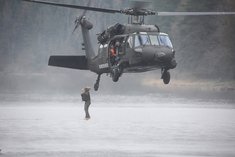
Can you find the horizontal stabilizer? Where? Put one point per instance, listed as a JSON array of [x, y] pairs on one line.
[[73, 62]]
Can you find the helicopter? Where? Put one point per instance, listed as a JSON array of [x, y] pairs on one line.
[[134, 47]]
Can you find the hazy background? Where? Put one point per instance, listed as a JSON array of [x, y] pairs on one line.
[[41, 113], [30, 33]]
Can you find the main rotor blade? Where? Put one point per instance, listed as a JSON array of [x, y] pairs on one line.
[[88, 5], [76, 6], [193, 13]]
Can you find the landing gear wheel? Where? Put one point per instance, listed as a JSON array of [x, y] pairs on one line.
[[166, 77], [96, 85], [115, 74]]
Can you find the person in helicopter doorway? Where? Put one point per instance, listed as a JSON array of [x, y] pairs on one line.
[[114, 50], [113, 54], [86, 97], [117, 49]]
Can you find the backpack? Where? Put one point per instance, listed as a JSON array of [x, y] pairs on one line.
[[84, 97]]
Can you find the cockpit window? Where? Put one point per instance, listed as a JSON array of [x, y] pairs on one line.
[[164, 40], [142, 39], [137, 41], [154, 39]]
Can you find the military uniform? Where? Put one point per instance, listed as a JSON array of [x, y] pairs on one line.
[[86, 97]]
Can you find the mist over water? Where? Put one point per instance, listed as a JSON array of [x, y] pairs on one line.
[[119, 126]]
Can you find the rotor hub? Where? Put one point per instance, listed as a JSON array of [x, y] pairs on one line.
[[137, 12]]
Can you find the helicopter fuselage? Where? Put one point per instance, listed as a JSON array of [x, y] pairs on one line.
[[134, 47], [130, 48], [143, 48]]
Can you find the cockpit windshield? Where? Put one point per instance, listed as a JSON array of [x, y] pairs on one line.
[[164, 40], [143, 39]]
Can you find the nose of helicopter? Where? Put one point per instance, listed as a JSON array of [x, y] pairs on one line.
[[151, 53], [165, 56]]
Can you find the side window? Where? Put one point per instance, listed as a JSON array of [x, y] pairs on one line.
[[130, 42], [100, 49]]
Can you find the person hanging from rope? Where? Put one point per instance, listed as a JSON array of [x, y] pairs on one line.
[[86, 97]]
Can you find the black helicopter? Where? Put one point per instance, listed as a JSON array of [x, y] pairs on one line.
[[124, 48]]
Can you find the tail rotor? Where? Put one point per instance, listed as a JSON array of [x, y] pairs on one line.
[[79, 19]]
